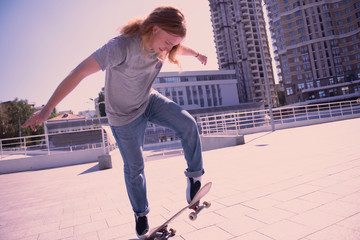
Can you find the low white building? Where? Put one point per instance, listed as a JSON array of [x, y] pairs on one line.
[[197, 90]]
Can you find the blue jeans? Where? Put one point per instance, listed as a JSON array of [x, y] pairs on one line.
[[130, 139]]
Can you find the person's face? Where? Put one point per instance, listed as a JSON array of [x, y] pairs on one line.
[[162, 41]]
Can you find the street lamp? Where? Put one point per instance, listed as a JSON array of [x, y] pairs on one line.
[[267, 86]]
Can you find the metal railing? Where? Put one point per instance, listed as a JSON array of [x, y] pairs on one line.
[[254, 121], [41, 145], [229, 124]]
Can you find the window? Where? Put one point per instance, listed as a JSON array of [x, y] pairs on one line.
[[336, 52], [339, 70], [289, 91], [274, 7], [308, 76], [301, 86], [282, 47], [303, 39], [337, 61], [334, 43], [299, 22]]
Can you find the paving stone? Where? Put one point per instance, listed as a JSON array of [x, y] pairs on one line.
[[285, 184]]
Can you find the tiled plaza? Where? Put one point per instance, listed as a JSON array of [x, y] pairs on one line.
[[300, 183]]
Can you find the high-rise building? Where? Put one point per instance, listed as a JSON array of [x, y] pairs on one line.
[[241, 44], [317, 47]]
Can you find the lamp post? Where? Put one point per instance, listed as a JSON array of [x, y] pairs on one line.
[[267, 86]]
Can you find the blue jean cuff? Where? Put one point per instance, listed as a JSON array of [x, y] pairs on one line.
[[143, 213], [194, 174]]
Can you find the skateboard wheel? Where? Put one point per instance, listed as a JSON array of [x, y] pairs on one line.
[[193, 216], [172, 231], [207, 204]]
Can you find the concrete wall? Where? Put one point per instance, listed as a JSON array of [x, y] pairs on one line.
[[221, 141], [50, 161]]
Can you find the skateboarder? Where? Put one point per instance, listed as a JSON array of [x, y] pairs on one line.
[[132, 61]]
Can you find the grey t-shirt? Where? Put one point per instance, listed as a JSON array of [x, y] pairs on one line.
[[130, 73]]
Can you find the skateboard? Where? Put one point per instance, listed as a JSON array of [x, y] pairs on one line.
[[162, 232]]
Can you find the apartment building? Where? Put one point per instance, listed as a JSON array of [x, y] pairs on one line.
[[317, 47], [242, 45]]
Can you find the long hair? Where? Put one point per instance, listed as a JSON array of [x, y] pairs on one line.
[[168, 18]]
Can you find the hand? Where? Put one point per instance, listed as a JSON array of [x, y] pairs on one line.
[[37, 119], [202, 58]]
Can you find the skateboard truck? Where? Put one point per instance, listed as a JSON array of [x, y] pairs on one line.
[[198, 209], [165, 233]]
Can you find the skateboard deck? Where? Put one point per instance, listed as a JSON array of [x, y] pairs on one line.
[[161, 232]]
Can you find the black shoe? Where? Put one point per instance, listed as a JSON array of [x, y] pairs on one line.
[[192, 188], [142, 226]]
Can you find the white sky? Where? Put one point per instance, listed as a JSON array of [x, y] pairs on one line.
[[41, 41]]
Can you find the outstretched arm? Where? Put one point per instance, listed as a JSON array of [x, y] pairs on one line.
[[84, 69], [187, 51]]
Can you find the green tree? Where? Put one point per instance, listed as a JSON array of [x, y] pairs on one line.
[[101, 103], [12, 115], [282, 99]]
